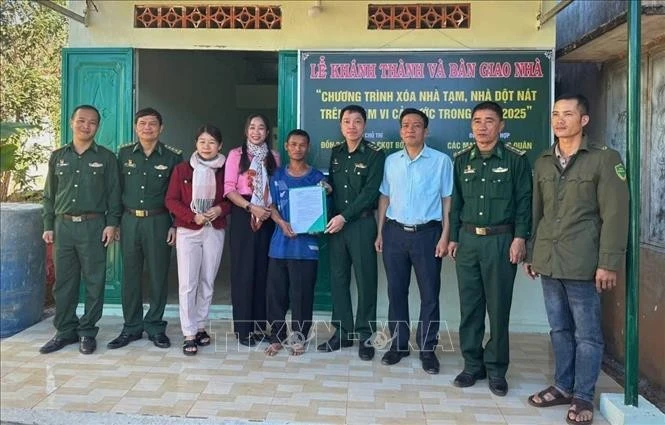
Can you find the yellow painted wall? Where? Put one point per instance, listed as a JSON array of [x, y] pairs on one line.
[[340, 25]]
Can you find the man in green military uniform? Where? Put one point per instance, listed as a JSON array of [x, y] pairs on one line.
[[356, 170], [490, 220], [146, 232], [81, 212], [580, 222]]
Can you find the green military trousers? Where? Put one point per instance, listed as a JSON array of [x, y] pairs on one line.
[[80, 259], [143, 239], [354, 245], [485, 278]]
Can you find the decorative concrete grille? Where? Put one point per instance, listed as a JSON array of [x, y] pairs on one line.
[[418, 16], [214, 17]]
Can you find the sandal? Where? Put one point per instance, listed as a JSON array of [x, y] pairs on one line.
[[558, 398], [273, 349], [189, 347], [202, 338], [297, 349], [577, 407]]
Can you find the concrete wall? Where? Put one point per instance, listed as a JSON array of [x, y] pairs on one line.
[[605, 86], [341, 24]]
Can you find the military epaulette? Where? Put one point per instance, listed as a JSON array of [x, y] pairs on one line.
[[126, 145], [338, 144], [463, 151], [373, 146], [174, 150], [514, 150]]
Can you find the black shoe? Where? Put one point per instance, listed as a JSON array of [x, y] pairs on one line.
[[247, 341], [393, 357], [123, 339], [468, 379], [366, 350], [430, 362], [160, 340], [498, 386], [87, 344], [334, 343], [56, 344]]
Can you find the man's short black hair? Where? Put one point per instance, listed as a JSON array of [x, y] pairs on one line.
[[582, 102], [353, 108], [409, 111], [492, 106], [146, 112], [89, 108], [298, 132]]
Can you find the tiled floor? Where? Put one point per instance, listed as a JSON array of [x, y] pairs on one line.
[[227, 381]]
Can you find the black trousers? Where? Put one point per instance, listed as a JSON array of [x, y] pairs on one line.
[[401, 251], [249, 270], [294, 281]]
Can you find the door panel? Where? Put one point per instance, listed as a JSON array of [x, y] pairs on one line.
[[102, 78]]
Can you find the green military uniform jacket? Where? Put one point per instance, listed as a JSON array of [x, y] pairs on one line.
[[580, 213], [491, 191], [82, 184], [145, 179], [355, 178]]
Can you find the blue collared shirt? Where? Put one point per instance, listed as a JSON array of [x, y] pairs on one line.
[[415, 186]]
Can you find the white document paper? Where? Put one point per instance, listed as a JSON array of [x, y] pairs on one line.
[[307, 213]]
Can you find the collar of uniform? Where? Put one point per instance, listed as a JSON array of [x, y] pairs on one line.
[[497, 150], [360, 148], [93, 146], [138, 147]]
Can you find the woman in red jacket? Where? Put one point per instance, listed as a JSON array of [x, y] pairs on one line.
[[196, 198]]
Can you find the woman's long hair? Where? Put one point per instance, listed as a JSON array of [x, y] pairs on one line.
[[271, 165]]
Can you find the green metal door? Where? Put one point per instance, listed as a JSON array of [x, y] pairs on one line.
[[102, 78], [287, 120]]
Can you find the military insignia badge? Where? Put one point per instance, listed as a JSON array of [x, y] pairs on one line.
[[161, 167], [360, 165], [95, 164], [499, 170], [130, 164], [62, 163], [469, 170], [621, 171]]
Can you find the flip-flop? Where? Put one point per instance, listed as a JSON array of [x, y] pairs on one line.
[[577, 406], [558, 398], [273, 349], [297, 350]]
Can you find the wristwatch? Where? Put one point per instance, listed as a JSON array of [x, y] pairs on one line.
[[248, 207]]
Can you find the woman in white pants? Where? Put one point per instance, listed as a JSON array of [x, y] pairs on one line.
[[195, 198]]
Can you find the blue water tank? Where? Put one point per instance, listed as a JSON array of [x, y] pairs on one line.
[[22, 269]]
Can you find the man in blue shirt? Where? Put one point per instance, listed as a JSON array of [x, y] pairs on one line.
[[293, 257], [413, 232]]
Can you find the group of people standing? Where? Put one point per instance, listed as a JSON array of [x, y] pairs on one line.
[[488, 210]]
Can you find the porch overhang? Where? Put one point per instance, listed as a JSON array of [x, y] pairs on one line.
[[608, 41]]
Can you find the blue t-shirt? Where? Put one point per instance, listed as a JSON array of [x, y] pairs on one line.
[[303, 246]]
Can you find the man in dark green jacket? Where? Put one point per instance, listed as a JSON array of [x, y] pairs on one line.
[[490, 222], [81, 213], [146, 232], [580, 222], [356, 170]]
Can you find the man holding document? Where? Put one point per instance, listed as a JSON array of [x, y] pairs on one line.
[[298, 192]]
